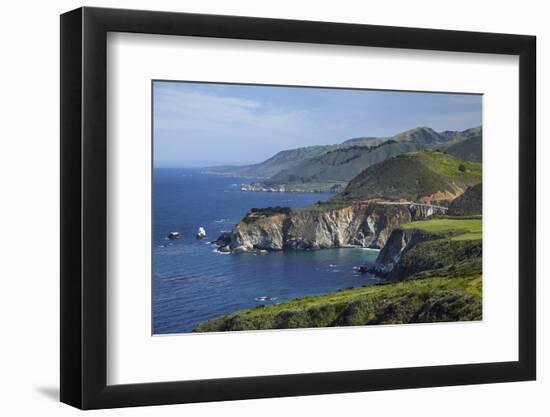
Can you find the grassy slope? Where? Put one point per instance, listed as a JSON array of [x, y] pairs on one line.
[[469, 203], [412, 176], [457, 252], [414, 301], [445, 285], [460, 228]]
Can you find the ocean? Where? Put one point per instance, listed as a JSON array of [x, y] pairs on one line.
[[192, 282]]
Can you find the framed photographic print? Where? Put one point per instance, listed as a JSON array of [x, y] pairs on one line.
[[258, 207]]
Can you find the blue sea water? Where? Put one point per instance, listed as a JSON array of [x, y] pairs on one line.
[[192, 282]]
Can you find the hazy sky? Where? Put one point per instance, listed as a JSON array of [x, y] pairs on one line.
[[204, 124]]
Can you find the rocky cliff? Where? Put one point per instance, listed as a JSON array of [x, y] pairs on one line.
[[398, 244], [365, 225], [446, 247]]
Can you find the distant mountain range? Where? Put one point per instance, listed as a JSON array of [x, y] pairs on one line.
[[272, 166], [468, 149], [337, 164]]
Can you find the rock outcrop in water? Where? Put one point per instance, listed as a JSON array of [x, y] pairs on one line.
[[363, 224]]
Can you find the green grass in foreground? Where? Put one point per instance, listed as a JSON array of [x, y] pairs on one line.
[[433, 299], [461, 228]]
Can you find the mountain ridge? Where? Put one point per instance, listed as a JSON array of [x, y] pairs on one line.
[[287, 166], [425, 176]]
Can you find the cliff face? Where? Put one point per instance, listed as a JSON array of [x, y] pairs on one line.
[[365, 225], [416, 253], [399, 243]]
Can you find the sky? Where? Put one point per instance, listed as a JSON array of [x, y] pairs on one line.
[[201, 124]]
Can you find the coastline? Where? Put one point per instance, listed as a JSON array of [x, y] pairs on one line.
[[415, 286]]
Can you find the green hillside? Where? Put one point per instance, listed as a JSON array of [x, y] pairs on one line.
[[346, 162], [457, 228], [420, 135], [469, 149], [433, 299], [469, 203], [412, 176], [341, 162], [282, 160]]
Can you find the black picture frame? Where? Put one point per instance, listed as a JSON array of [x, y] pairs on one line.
[[84, 207]]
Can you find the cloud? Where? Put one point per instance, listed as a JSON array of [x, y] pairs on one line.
[[236, 122], [188, 109]]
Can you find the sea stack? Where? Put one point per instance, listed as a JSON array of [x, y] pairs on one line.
[[174, 235], [201, 233]]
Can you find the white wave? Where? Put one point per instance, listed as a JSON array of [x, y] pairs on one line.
[[265, 298], [221, 253]]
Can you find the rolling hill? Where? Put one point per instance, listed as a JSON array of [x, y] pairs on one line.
[[341, 162], [426, 176], [468, 204], [469, 149], [278, 162]]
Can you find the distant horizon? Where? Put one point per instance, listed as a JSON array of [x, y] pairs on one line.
[[199, 125], [200, 164], [197, 164]]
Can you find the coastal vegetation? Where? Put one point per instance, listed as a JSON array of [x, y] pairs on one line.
[[469, 203], [439, 280], [261, 213], [435, 275], [417, 176], [428, 300], [455, 228], [444, 246], [417, 197]]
